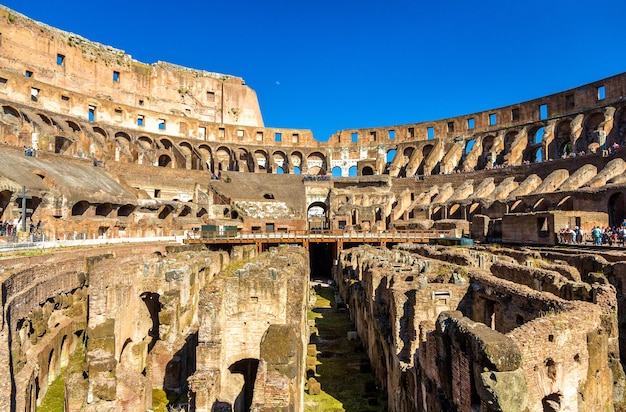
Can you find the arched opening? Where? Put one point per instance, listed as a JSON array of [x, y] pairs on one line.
[[73, 125], [222, 156], [425, 153], [201, 212], [45, 119], [12, 114], [367, 171], [166, 144], [260, 159], [593, 135], [100, 131], [317, 216], [336, 172], [61, 144], [541, 205], [191, 156], [561, 145], [295, 159], [487, 159], [5, 199], [316, 163], [145, 142], [80, 208], [279, 163], [352, 172], [125, 210], [517, 207], [509, 139], [185, 212], [165, 211], [552, 402], [104, 209], [52, 367], [64, 353], [154, 307], [248, 368], [616, 209], [566, 203], [165, 161]]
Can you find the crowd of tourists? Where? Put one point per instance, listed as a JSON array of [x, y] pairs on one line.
[[10, 228], [610, 235]]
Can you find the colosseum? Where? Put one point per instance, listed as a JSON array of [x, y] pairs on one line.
[[161, 249]]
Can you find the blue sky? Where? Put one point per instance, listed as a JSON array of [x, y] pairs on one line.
[[332, 65]]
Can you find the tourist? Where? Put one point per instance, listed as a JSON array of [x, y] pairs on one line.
[[596, 234]]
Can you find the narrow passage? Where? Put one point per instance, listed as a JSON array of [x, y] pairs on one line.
[[341, 367]]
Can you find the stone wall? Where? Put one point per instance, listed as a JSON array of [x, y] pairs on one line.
[[252, 336], [443, 336]]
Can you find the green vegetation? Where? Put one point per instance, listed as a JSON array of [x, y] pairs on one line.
[[159, 400], [54, 401], [347, 386]]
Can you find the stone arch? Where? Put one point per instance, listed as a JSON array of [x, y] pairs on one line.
[[99, 130], [73, 125], [352, 171], [541, 205], [5, 199], [561, 145], [124, 353], [280, 163], [201, 212], [487, 158], [165, 160], [336, 172], [64, 352], [125, 210], [367, 171], [80, 208], [53, 366], [62, 144], [567, 203], [11, 114], [45, 119], [509, 139], [517, 207], [166, 143], [104, 209], [316, 163], [185, 211], [145, 142], [194, 161], [223, 158], [426, 150], [317, 216], [248, 368], [475, 208], [296, 160], [165, 211], [243, 160], [618, 132], [590, 138], [154, 306], [261, 160], [207, 156], [617, 208], [455, 211]]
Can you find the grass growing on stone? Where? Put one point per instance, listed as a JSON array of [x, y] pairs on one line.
[[54, 400], [345, 386]]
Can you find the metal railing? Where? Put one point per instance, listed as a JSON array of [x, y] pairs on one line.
[[320, 235]]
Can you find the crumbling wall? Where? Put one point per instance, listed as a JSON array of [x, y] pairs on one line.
[[253, 319]]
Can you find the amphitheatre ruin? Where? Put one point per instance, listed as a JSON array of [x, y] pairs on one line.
[[161, 241]]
